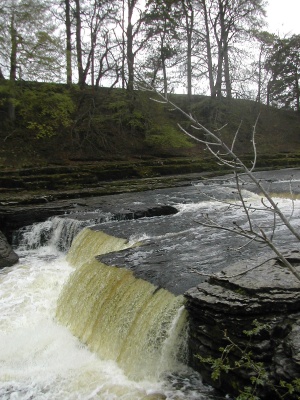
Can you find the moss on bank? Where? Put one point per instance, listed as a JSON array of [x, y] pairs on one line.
[[59, 125]]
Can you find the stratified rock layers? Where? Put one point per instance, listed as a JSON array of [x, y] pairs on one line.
[[230, 302]]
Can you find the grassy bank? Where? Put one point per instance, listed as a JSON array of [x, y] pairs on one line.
[[56, 125]]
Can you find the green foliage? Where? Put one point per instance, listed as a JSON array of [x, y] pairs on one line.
[[4, 92], [283, 63], [9, 91], [247, 394], [122, 111], [136, 120], [291, 387], [257, 371], [110, 114], [47, 111], [258, 327], [166, 137], [117, 104]]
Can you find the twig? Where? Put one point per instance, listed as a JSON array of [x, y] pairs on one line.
[[234, 162], [225, 277]]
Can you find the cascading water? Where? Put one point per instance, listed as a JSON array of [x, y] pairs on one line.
[[57, 232], [132, 334], [122, 318], [75, 328], [90, 243], [119, 317]]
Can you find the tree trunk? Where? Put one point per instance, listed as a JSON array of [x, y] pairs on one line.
[[224, 48], [164, 58], [13, 68], [130, 55], [13, 52], [218, 85], [123, 46], [258, 97], [92, 60], [227, 72], [219, 39], [189, 22], [163, 63], [68, 43], [189, 66], [208, 52], [297, 91], [81, 80], [269, 93]]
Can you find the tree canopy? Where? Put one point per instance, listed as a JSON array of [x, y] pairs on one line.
[[212, 47]]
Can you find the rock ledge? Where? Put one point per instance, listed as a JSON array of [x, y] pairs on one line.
[[231, 301]]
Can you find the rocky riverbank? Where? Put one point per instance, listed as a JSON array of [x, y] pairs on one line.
[[225, 306], [33, 194]]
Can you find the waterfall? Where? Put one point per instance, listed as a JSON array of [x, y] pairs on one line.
[[89, 243], [119, 317], [57, 232]]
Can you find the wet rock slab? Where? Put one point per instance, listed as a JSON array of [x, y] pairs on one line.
[[171, 252]]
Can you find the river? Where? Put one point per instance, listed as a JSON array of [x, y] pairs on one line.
[[56, 344]]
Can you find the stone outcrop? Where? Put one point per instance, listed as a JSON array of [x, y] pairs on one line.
[[7, 256], [230, 302]]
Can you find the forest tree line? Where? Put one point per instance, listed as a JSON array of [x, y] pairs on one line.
[[213, 47]]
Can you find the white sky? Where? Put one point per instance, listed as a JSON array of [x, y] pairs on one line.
[[283, 17]]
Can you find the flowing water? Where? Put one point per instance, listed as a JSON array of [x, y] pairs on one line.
[[124, 338], [73, 327]]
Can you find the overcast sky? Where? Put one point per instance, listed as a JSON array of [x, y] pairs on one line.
[[283, 17]]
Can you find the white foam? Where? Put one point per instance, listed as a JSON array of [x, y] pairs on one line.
[[41, 360]]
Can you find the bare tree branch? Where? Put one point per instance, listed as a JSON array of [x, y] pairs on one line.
[[234, 162]]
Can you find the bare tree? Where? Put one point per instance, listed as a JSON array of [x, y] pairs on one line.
[[29, 47], [283, 63], [136, 39], [189, 17], [226, 23], [93, 21], [161, 20]]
